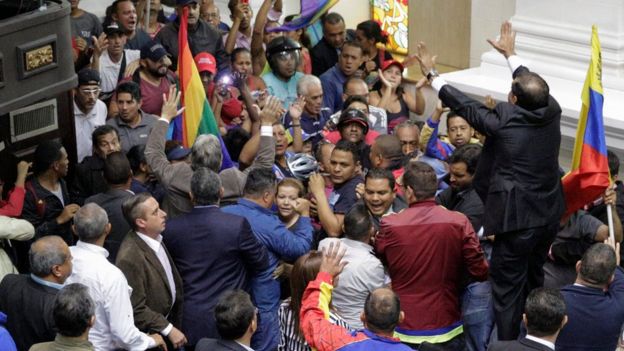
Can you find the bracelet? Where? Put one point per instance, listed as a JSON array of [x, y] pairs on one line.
[[295, 125]]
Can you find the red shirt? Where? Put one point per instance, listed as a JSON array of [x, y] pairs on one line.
[[13, 206], [427, 248]]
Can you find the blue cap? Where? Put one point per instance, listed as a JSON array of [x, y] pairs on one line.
[[153, 51], [178, 153]]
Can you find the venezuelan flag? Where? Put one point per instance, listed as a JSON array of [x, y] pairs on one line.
[[198, 117], [589, 175], [311, 11]]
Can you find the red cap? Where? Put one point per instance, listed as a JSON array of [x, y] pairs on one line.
[[389, 63], [206, 62]]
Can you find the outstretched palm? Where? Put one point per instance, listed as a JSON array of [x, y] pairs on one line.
[[506, 42]]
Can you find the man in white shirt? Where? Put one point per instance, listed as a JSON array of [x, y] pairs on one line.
[[114, 324], [363, 274], [113, 61], [377, 117], [156, 284], [89, 111]]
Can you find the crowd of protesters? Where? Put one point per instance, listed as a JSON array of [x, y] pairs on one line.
[[334, 221]]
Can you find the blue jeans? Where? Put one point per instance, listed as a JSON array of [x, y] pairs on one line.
[[478, 315], [266, 337]]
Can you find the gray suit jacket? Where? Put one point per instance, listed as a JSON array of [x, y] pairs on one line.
[[206, 344], [151, 298], [111, 202], [176, 178]]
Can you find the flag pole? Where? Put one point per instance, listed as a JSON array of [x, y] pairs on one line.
[[610, 222]]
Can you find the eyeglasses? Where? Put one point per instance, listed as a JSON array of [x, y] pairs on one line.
[[90, 91]]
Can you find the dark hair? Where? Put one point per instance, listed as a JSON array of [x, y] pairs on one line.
[[353, 44], [8, 172], [259, 181], [372, 30], [132, 208], [136, 157], [357, 222], [355, 98], [232, 5], [117, 168], [205, 187], [331, 18], [233, 314], [304, 39], [46, 153], [236, 52], [468, 154], [614, 163], [131, 88], [421, 178], [531, 90], [103, 130], [73, 310], [381, 173], [235, 141], [545, 309], [382, 309], [452, 114], [598, 264], [347, 146], [112, 9], [303, 272], [390, 147]]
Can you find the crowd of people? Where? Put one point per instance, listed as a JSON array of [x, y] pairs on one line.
[[334, 221]]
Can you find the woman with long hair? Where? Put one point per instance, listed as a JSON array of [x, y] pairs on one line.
[[304, 271], [373, 40]]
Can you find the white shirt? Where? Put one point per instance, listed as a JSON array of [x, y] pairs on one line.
[[109, 70], [85, 125], [158, 248], [541, 341], [114, 321], [362, 275], [244, 346]]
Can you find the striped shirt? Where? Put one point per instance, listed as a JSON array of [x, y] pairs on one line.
[[290, 339]]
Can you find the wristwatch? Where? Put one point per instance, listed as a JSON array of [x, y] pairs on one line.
[[432, 74]]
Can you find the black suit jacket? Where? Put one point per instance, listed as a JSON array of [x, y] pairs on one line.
[[518, 173], [28, 306], [206, 344], [151, 298], [111, 202], [214, 252], [518, 345]]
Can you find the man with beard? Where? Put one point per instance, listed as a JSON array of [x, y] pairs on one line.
[[124, 13], [153, 77], [132, 123], [112, 62], [89, 112], [202, 37], [284, 55], [333, 80], [314, 117]]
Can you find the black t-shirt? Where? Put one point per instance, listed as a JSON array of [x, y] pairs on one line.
[[343, 197]]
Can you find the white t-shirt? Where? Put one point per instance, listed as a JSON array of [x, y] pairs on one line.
[[109, 70], [85, 125]]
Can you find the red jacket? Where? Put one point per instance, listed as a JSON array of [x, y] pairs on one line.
[[427, 249], [13, 206]]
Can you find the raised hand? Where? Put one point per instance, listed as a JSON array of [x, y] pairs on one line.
[[100, 44], [296, 108], [316, 184], [426, 60], [170, 104], [332, 260], [271, 111], [506, 42], [386, 83], [302, 207]]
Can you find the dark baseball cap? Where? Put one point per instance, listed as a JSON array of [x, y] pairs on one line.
[[352, 115], [88, 76], [113, 28], [178, 153], [153, 51], [185, 2]]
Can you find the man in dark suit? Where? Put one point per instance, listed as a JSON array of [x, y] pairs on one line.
[[28, 300], [118, 175], [236, 319], [517, 178], [156, 284], [214, 251], [324, 54], [544, 316]]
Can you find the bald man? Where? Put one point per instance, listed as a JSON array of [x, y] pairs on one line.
[[382, 312], [28, 300]]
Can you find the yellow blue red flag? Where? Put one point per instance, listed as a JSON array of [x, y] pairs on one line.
[[589, 175]]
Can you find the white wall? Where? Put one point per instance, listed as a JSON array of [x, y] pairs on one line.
[[487, 16]]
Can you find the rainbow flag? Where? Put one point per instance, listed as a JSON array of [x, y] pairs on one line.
[[589, 175], [198, 117], [311, 11]]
